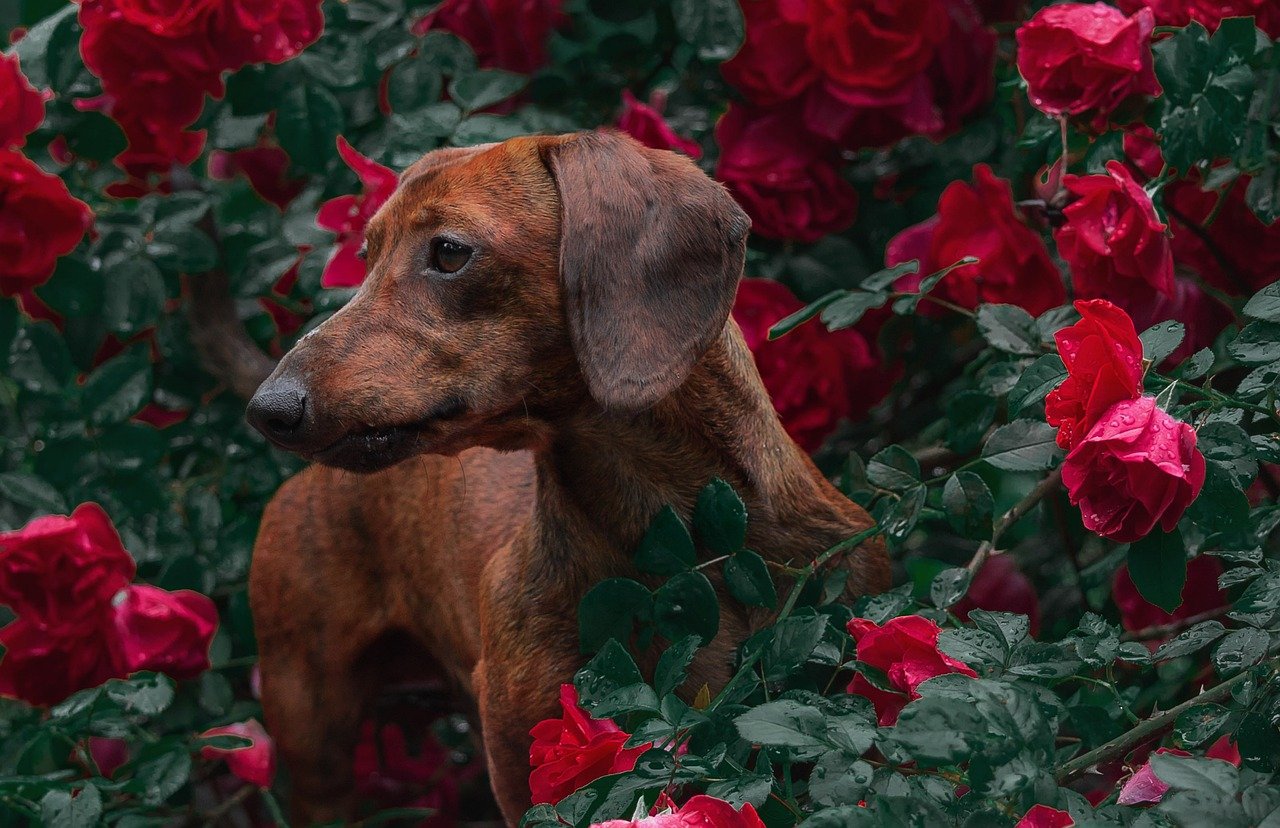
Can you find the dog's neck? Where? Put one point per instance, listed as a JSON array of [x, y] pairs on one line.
[[603, 476]]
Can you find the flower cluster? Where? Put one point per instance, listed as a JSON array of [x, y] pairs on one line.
[[157, 61], [80, 620]]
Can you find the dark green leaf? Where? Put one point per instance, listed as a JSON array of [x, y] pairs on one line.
[[790, 322], [1239, 649], [969, 505], [119, 388], [1009, 328], [687, 605], [162, 770], [673, 664], [1200, 723], [1189, 773], [309, 121], [666, 547], [1190, 640], [1158, 566], [894, 468], [847, 310], [1022, 445], [60, 808], [747, 577], [610, 610], [720, 518], [1162, 339], [484, 88], [949, 586], [608, 670], [1041, 377], [1265, 304]]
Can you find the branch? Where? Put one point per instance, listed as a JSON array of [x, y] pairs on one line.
[[1125, 742], [1015, 514]]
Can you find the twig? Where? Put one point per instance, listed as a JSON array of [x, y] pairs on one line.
[[1020, 509], [1173, 627], [1125, 742]]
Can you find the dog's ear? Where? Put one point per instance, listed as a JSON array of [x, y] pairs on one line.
[[650, 254]]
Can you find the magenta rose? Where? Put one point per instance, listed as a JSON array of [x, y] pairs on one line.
[[906, 650], [255, 762], [787, 180], [347, 215], [1136, 468], [773, 65], [21, 106], [169, 632], [645, 123]]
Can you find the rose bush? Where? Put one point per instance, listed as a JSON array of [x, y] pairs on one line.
[[1012, 281]]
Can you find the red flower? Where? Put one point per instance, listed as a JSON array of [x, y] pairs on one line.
[[1145, 788], [56, 572], [169, 632], [874, 45], [1042, 816], [646, 124], [43, 665], [347, 215], [1103, 355], [785, 179], [1001, 587], [815, 377], [39, 221], [1209, 13], [1200, 594], [21, 106], [108, 754], [255, 763], [386, 770], [700, 811], [265, 167], [979, 220], [1115, 244], [1245, 253], [1203, 316], [507, 34], [1137, 467], [772, 66], [906, 650], [167, 18], [575, 750], [1086, 58], [265, 31]]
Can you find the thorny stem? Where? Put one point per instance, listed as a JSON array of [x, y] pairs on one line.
[[1173, 627], [1020, 509]]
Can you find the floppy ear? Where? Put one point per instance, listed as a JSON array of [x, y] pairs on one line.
[[651, 250]]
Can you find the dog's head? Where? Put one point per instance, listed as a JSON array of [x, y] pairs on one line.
[[507, 283]]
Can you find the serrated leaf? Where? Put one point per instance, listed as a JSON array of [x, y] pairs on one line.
[[969, 504], [687, 605], [1189, 641], [1041, 377], [485, 87], [894, 468], [1240, 649], [1022, 445], [747, 577], [1009, 328], [1162, 339], [720, 518], [1265, 304], [667, 547], [673, 665], [949, 586]]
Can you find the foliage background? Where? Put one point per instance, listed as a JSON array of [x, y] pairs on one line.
[[109, 402]]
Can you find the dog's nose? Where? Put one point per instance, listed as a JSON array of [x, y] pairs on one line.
[[278, 410]]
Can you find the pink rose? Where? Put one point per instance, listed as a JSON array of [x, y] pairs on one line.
[[1042, 816], [906, 650], [169, 632], [700, 811], [255, 763], [347, 215], [575, 750], [1137, 467]]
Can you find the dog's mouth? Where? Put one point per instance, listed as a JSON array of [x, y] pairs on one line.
[[371, 448]]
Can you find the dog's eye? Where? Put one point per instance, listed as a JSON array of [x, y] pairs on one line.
[[449, 256]]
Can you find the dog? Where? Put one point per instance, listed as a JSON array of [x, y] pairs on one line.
[[539, 360]]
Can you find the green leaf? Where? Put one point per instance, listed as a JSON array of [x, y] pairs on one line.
[[1022, 445], [720, 518], [747, 577], [1265, 304], [119, 388], [714, 27], [785, 723], [1041, 377], [1257, 344], [969, 414], [673, 665], [847, 310], [1228, 447], [485, 87], [666, 547], [1198, 365], [894, 468], [1240, 649], [183, 249], [1162, 339], [939, 731], [162, 769], [633, 698], [882, 279], [39, 361], [794, 640], [608, 670], [610, 611], [1200, 723], [308, 122], [687, 605], [1009, 328], [60, 808], [904, 515], [1010, 628], [1189, 773], [1158, 566], [1189, 641], [147, 694], [949, 586], [32, 492], [791, 321], [969, 505], [414, 83], [48, 53], [133, 296]]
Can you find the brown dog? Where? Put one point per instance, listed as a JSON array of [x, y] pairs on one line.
[[561, 299]]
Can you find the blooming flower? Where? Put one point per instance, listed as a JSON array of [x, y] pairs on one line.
[[906, 650], [347, 215], [21, 106], [1137, 467], [1209, 13], [575, 750], [39, 221], [1080, 58], [1042, 816], [700, 811], [255, 762], [169, 632], [646, 124], [1103, 355]]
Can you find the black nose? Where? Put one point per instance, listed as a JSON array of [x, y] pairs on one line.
[[278, 409]]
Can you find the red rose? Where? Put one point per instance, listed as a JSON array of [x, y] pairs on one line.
[[1237, 253], [1000, 586], [39, 221], [1115, 244], [1103, 355], [168, 632], [772, 66], [1137, 467], [979, 220], [265, 167], [1203, 316], [108, 754], [168, 18], [506, 34], [785, 179], [387, 771], [1200, 594], [1209, 13], [700, 811], [815, 377], [875, 45], [1042, 816], [646, 124], [1086, 58], [57, 571], [255, 763], [906, 650], [575, 750], [347, 215], [43, 665], [1145, 788], [21, 106], [265, 31]]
